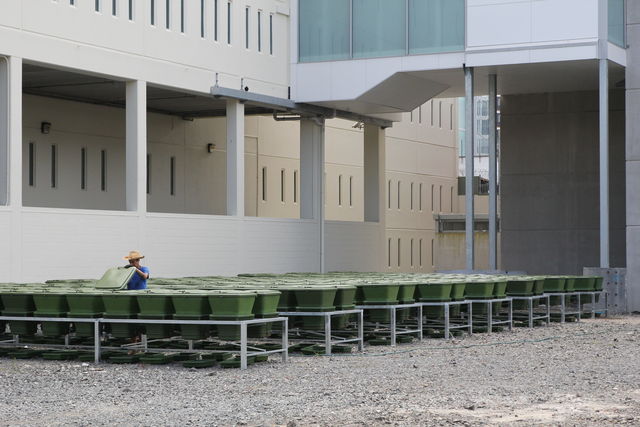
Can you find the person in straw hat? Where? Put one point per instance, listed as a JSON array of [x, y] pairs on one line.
[[139, 279]]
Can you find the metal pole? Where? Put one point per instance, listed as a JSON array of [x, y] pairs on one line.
[[493, 173], [96, 342], [327, 334], [243, 346], [285, 340], [604, 163], [468, 161]]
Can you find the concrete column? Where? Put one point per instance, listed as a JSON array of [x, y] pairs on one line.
[[11, 131], [633, 155], [468, 166], [604, 163], [136, 146], [493, 172], [374, 183], [312, 178], [235, 158]]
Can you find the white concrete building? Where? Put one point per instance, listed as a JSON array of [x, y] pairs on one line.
[[174, 80]]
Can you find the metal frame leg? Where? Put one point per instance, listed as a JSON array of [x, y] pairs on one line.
[[420, 322], [470, 311], [530, 312], [16, 339], [593, 305], [447, 320], [145, 341], [489, 318], [393, 326], [548, 305], [96, 341], [562, 308], [66, 340], [327, 334], [361, 331], [510, 302], [285, 340], [243, 346]]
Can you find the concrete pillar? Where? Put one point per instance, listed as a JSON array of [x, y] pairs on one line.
[[493, 175], [312, 178], [633, 155], [136, 146], [374, 183], [468, 167], [235, 158]]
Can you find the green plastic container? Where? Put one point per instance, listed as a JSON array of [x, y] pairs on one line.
[[88, 303], [345, 296], [457, 291], [121, 305], [379, 293], [192, 306], [266, 302], [231, 303], [315, 298], [479, 289], [435, 292], [555, 284]]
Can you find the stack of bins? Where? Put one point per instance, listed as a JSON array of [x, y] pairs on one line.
[[435, 291], [192, 305], [265, 307], [52, 303], [121, 305], [231, 306], [406, 295], [585, 284], [555, 285], [457, 294], [479, 289], [499, 292], [19, 303], [85, 305], [520, 287], [315, 298], [344, 300], [156, 305], [378, 293]]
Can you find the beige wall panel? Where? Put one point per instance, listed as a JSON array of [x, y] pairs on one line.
[[344, 146], [280, 139], [351, 205], [273, 203]]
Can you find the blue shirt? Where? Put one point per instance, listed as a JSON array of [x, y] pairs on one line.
[[137, 282]]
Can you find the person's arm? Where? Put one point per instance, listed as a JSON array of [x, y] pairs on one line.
[[142, 274]]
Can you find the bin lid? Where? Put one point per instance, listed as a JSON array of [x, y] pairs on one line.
[[115, 278]]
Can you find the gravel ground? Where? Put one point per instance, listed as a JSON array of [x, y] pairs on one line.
[[575, 374]]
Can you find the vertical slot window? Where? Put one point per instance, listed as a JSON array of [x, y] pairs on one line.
[[54, 166], [228, 22], [399, 189], [264, 184], [432, 190], [114, 7], [420, 252], [202, 20], [172, 179], [350, 191], [167, 14], [411, 196], [389, 253], [450, 116], [130, 10], [152, 12], [339, 190], [433, 256], [431, 108], [440, 199], [83, 168], [411, 257], [389, 194], [103, 170], [215, 20], [32, 164], [270, 34], [420, 197], [295, 186], [247, 11], [97, 5], [440, 114], [182, 23], [259, 31], [399, 252], [451, 205], [72, 2], [148, 173], [282, 189], [420, 114]]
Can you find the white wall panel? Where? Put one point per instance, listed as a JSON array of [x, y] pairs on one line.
[[5, 245]]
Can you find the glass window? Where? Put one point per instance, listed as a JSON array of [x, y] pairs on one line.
[[379, 28], [324, 30], [616, 22], [172, 176], [436, 26]]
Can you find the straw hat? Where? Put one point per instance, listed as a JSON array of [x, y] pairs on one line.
[[134, 255]]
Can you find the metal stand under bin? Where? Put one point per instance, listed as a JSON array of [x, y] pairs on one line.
[[491, 320], [604, 296], [564, 307], [394, 330], [448, 326], [329, 339], [531, 315]]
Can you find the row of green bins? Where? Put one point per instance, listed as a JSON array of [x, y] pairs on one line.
[[480, 289], [156, 306], [192, 305], [345, 298], [231, 306], [314, 299], [585, 284], [19, 303], [121, 305], [265, 307], [499, 292], [406, 295], [520, 287]]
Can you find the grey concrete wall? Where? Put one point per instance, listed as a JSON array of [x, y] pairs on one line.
[[633, 154], [549, 182]]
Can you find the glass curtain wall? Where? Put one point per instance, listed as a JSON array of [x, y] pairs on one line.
[[617, 22], [324, 32], [332, 30]]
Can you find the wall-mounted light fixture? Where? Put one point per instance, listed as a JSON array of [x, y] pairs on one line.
[[210, 148], [45, 127]]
